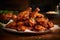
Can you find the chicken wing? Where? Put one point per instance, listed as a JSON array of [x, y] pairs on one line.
[[39, 28], [25, 14]]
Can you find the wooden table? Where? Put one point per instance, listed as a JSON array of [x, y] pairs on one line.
[[55, 35]]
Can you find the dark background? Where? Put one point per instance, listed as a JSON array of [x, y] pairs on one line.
[[44, 5]]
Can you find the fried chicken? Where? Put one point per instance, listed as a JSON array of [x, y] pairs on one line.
[[39, 28], [30, 20], [35, 13], [25, 14]]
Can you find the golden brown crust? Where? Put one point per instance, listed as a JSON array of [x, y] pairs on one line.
[[40, 28], [30, 20]]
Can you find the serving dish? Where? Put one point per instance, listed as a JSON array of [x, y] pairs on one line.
[[27, 31]]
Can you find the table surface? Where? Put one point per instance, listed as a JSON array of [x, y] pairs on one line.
[[54, 35]]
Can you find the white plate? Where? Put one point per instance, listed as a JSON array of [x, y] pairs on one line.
[[28, 31]]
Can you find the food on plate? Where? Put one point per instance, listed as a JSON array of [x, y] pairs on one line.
[[33, 21], [50, 24], [25, 14], [21, 23], [39, 28], [21, 28], [6, 16], [14, 17], [42, 21], [11, 25], [35, 13]]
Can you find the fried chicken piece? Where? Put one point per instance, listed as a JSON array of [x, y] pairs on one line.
[[39, 28], [26, 22], [42, 20], [14, 17], [39, 15], [45, 25], [11, 25], [31, 22], [7, 16], [21, 28], [50, 24], [8, 26], [35, 13], [29, 28], [25, 14], [21, 23]]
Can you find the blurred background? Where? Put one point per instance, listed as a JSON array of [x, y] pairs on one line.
[[20, 5]]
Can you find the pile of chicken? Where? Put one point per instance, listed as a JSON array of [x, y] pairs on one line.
[[33, 21]]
